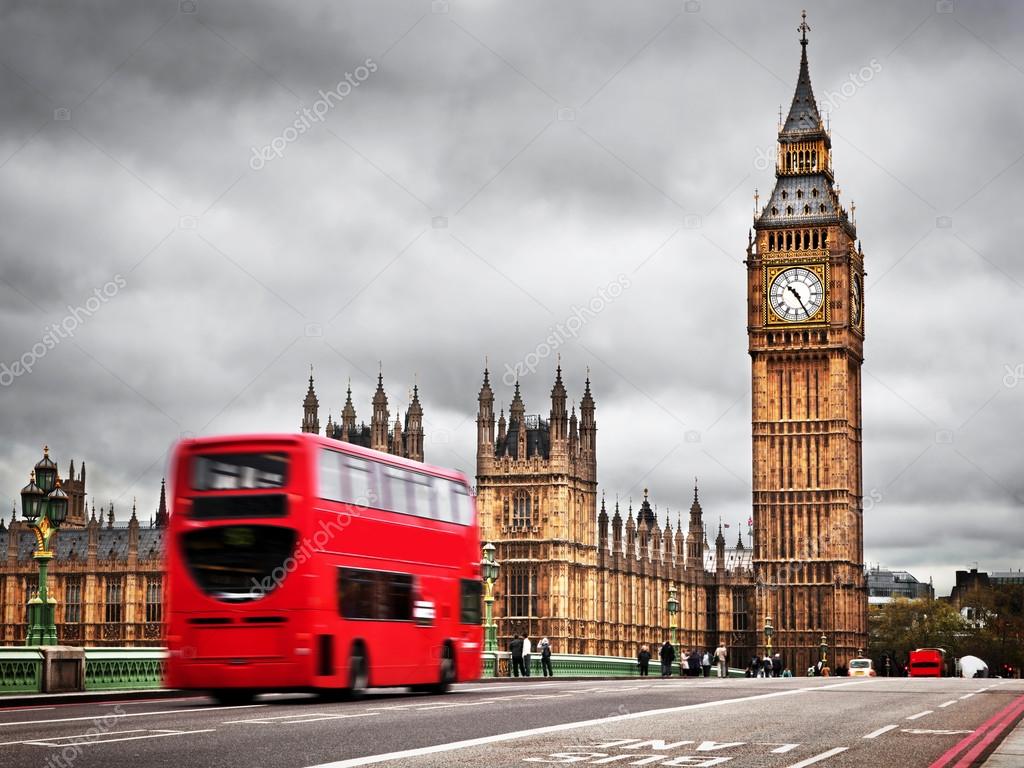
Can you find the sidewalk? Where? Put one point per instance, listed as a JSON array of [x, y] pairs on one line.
[[1010, 753]]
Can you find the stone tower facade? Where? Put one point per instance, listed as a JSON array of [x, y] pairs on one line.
[[805, 292], [400, 438], [590, 583]]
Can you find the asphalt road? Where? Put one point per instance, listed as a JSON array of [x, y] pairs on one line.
[[783, 723]]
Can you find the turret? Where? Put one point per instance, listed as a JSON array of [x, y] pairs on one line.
[[381, 417], [397, 445], [695, 534], [558, 424], [348, 416], [588, 430], [162, 517], [517, 422], [310, 406], [414, 427], [720, 549], [485, 420], [616, 529], [602, 527]]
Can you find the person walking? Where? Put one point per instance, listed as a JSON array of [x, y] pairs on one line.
[[767, 666], [705, 664], [516, 649], [527, 648], [684, 664], [722, 659], [545, 657], [776, 665], [667, 655], [643, 660], [696, 664]]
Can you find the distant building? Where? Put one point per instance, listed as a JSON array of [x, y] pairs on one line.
[[1006, 578], [107, 578], [886, 585], [400, 439]]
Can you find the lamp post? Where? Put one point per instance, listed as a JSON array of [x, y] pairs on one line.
[[490, 568], [823, 647], [45, 506], [673, 609], [769, 630]]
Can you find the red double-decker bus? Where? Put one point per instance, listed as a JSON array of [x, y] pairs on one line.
[[296, 562], [927, 662]]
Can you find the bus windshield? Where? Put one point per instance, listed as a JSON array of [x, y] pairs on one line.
[[239, 471], [236, 563]]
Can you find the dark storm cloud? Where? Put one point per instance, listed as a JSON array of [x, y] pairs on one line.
[[504, 165]]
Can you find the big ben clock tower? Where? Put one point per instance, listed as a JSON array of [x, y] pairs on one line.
[[805, 299]]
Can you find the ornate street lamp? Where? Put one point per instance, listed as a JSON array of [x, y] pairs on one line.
[[823, 647], [673, 609], [769, 630], [45, 506], [489, 569]]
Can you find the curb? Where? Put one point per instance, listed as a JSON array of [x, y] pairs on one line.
[[16, 700]]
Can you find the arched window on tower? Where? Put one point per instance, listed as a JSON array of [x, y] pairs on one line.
[[521, 510], [814, 159]]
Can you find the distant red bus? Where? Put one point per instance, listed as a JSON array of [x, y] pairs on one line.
[[296, 562], [927, 662]]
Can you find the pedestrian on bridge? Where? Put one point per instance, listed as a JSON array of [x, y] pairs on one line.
[[722, 659], [516, 649], [705, 664], [527, 649], [545, 657], [668, 655], [643, 660]]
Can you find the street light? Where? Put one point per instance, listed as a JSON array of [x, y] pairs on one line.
[[769, 630], [673, 609], [43, 500], [490, 568], [823, 647]]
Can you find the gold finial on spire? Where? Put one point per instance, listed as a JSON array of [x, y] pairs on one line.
[[46, 450], [804, 28]]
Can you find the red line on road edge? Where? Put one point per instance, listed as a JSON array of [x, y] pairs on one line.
[[999, 722]]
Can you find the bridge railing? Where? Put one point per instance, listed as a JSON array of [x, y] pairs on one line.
[[106, 669]]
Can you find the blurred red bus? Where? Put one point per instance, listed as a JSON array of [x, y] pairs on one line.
[[296, 562], [927, 662]]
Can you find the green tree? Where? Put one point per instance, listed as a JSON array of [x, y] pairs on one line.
[[902, 625]]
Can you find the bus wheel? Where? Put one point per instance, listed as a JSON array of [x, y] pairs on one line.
[[232, 697], [358, 676], [447, 673]]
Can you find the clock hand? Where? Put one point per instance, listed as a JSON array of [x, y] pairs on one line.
[[793, 291]]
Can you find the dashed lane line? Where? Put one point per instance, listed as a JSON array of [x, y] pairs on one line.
[[949, 703], [192, 711], [921, 714], [966, 696], [89, 741], [880, 731], [818, 758]]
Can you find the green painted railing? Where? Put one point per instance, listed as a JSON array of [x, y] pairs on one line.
[[111, 669], [21, 670], [577, 665]]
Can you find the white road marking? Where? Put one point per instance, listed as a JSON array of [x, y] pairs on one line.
[[921, 714], [75, 736], [818, 758], [785, 748], [949, 703], [967, 696], [880, 731], [194, 710], [302, 717], [89, 741], [542, 730], [940, 731]]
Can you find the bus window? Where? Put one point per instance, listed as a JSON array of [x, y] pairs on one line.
[[239, 471], [471, 594], [422, 495], [356, 593], [237, 562], [361, 489], [330, 475], [461, 504], [396, 603], [395, 482]]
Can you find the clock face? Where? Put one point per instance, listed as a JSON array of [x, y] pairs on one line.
[[855, 301], [796, 294]]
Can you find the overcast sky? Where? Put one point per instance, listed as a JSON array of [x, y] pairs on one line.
[[486, 172]]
